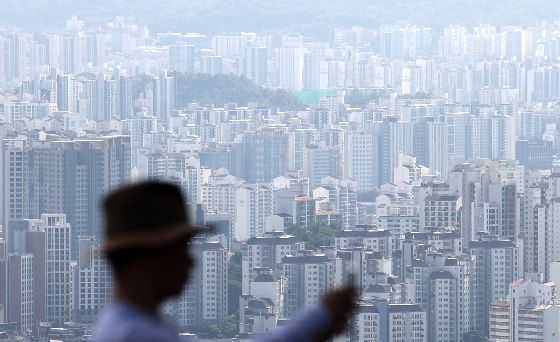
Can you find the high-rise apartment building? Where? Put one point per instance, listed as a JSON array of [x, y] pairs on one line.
[[254, 202], [309, 276], [26, 248], [14, 185], [496, 264], [395, 137], [319, 162], [381, 241], [212, 65], [359, 156], [441, 286], [534, 154], [218, 194], [71, 53], [530, 313], [379, 321], [441, 211], [124, 96], [431, 146], [92, 282], [256, 65], [290, 63], [265, 154], [64, 176], [105, 96], [94, 49], [413, 80], [267, 251], [138, 126], [58, 300], [343, 195], [21, 299], [181, 58], [14, 62], [301, 209], [202, 302], [164, 100], [459, 130], [226, 46], [493, 137]]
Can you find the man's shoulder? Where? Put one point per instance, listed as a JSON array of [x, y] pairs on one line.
[[121, 323]]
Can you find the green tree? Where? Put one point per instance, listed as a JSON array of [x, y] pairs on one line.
[[139, 84], [357, 99], [315, 235], [368, 196], [299, 232], [421, 95], [214, 332], [474, 336], [234, 291], [231, 329], [234, 266], [221, 89]]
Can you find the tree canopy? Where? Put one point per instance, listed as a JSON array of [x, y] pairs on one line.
[[474, 336], [234, 284], [357, 99], [220, 89], [315, 235], [139, 84], [368, 196]]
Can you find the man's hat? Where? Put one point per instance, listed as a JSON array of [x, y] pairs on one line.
[[146, 215]]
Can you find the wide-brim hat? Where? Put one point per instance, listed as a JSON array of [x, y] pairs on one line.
[[146, 215]]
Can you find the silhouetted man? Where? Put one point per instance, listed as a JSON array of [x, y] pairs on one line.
[[147, 236]]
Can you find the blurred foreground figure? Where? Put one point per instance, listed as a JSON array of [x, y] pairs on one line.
[[147, 235]]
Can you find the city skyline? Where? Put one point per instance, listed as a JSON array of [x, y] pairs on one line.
[[422, 164]]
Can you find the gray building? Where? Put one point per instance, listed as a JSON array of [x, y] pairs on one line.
[[93, 282], [265, 155], [496, 264], [181, 58], [66, 176], [256, 65], [534, 155], [309, 276]]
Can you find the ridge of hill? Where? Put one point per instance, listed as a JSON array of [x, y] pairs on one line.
[[312, 17]]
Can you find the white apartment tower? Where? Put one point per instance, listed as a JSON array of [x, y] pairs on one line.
[[226, 46], [309, 276], [531, 313], [253, 204], [93, 281], [58, 267], [378, 321], [319, 162], [267, 251], [290, 63], [343, 194], [360, 152], [256, 65]]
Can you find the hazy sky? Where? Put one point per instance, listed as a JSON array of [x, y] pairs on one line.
[[311, 17]]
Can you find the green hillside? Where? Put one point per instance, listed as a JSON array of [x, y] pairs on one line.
[[221, 89], [311, 17]]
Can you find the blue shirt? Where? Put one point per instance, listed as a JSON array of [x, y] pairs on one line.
[[124, 322]]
